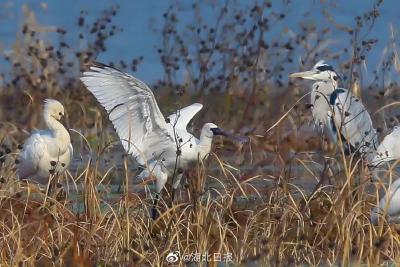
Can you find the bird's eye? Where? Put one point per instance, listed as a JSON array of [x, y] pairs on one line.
[[60, 113], [335, 78]]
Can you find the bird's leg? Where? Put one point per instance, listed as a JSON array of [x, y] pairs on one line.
[[154, 210], [49, 188], [55, 185], [173, 196], [324, 142], [176, 184], [161, 177], [324, 177], [61, 194], [327, 173], [52, 176]]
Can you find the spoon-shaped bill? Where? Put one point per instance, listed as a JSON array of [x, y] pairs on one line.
[[239, 138]]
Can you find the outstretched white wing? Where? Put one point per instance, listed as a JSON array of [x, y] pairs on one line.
[[132, 109], [181, 118], [353, 122]]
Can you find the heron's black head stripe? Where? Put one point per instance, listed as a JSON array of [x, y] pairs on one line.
[[325, 68]]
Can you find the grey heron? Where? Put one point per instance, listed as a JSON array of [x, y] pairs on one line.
[[161, 144], [46, 151], [340, 111]]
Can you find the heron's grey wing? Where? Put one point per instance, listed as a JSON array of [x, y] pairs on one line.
[[181, 118], [389, 148], [131, 106], [33, 150], [353, 122]]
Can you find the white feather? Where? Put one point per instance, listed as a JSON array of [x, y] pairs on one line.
[[132, 109], [389, 205], [45, 147], [165, 147], [181, 118], [389, 148]]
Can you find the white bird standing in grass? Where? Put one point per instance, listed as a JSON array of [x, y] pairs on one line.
[[163, 146], [387, 151], [48, 151], [340, 111]]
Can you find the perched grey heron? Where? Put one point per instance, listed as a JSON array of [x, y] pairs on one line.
[[163, 145], [47, 151], [388, 150], [338, 110]]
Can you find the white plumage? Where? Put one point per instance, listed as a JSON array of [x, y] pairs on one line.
[[46, 151], [389, 205], [163, 145], [388, 149]]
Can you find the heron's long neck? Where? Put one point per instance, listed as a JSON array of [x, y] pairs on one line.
[[205, 143], [59, 132], [325, 87]]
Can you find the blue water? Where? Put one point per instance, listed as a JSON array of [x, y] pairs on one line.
[[137, 38]]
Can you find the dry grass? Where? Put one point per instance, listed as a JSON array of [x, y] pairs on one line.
[[250, 202], [276, 225]]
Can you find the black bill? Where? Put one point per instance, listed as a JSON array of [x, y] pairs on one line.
[[241, 139]]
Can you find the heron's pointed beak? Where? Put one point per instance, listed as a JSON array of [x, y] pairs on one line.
[[241, 139], [310, 75]]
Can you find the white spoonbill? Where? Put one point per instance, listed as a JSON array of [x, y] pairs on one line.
[[47, 151], [161, 144]]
